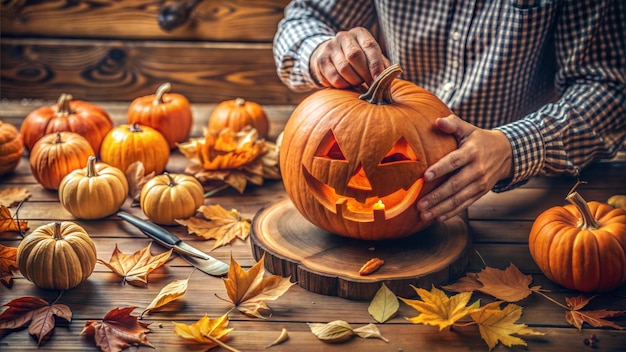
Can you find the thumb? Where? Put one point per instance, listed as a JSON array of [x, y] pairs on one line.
[[454, 125]]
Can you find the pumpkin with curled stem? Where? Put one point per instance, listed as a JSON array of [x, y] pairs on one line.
[[87, 119], [582, 245], [168, 113], [169, 197], [93, 192], [11, 147], [238, 113], [354, 164], [57, 256]]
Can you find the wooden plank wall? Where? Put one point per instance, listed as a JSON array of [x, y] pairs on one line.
[[113, 50]]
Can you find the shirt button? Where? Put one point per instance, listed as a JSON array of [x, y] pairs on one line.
[[455, 36], [455, 64], [448, 86]]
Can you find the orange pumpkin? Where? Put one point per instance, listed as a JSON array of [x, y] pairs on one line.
[[582, 245], [11, 148], [88, 120], [237, 114], [353, 165], [57, 154], [126, 144], [168, 113]]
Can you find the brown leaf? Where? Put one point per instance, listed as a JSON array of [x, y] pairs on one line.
[[35, 313], [118, 330], [136, 267], [248, 290], [222, 225], [596, 318], [468, 283], [7, 223], [8, 263], [137, 178], [13, 195]]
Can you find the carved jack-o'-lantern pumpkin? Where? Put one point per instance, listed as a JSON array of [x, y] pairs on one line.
[[353, 164]]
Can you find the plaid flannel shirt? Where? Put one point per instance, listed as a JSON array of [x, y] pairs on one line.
[[551, 75]]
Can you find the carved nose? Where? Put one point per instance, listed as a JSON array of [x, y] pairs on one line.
[[359, 180]]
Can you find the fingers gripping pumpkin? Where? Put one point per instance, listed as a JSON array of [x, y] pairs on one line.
[[353, 165]]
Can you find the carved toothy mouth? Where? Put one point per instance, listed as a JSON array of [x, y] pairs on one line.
[[368, 210]]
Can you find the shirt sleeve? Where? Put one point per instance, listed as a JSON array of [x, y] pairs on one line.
[[305, 26], [588, 121]]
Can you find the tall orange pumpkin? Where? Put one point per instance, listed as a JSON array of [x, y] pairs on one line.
[[582, 245], [11, 147], [353, 164], [238, 113], [87, 119], [168, 113]]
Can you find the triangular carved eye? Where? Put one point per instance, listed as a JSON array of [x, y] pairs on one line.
[[329, 148], [400, 152]]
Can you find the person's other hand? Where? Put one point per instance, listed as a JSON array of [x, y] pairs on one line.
[[349, 59], [483, 157]]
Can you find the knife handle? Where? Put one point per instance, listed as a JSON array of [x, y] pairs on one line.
[[155, 230]]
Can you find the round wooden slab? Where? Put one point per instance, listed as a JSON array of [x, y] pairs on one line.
[[325, 263]]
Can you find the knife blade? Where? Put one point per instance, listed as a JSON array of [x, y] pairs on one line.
[[192, 255]]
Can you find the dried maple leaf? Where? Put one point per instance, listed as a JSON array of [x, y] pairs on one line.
[[437, 309], [498, 325], [8, 263], [136, 267], [205, 331], [235, 159], [222, 225], [14, 195], [118, 330], [137, 178], [35, 313], [248, 290], [596, 318], [7, 223], [509, 285]]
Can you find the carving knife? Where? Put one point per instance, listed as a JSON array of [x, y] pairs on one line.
[[192, 255]]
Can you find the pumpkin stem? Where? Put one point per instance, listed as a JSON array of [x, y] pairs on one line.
[[56, 231], [58, 140], [379, 92], [240, 102], [171, 182], [63, 105], [163, 88], [91, 167], [135, 127], [587, 222]]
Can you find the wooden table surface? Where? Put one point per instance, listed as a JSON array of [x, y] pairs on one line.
[[499, 224]]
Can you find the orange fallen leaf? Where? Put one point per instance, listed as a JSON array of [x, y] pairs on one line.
[[13, 195], [118, 330], [7, 223], [35, 313], [212, 333], [248, 290], [136, 267], [137, 178], [222, 225], [169, 293], [8, 263], [596, 318]]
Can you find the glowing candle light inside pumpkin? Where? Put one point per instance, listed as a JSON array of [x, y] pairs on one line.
[[378, 205], [379, 211]]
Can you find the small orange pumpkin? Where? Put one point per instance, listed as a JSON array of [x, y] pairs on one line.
[[353, 164], [11, 148], [57, 154], [237, 114], [168, 113], [582, 245], [126, 144], [89, 120], [168, 197]]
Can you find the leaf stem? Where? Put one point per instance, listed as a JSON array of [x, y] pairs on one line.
[[215, 191], [553, 300], [221, 344], [469, 323]]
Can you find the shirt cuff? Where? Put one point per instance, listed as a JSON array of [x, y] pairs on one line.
[[306, 50], [528, 150]]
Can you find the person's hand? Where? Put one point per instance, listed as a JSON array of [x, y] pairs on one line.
[[349, 59], [483, 157]]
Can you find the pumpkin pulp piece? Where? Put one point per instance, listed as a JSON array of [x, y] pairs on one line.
[[160, 92], [379, 92]]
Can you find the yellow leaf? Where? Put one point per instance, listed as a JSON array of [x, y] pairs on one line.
[[205, 330], [497, 324], [222, 225], [384, 305], [437, 309], [10, 196], [7, 223], [248, 290], [170, 292], [136, 267]]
